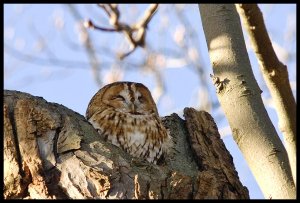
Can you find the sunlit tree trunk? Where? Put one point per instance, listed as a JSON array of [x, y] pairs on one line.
[[240, 99], [276, 76]]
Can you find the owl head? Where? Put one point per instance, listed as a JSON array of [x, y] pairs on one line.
[[125, 97]]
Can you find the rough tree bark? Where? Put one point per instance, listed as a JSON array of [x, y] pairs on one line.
[[276, 76], [239, 96], [52, 152]]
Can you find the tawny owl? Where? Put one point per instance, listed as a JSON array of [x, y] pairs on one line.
[[125, 114]]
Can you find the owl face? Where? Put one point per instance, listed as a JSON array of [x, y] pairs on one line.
[[128, 97], [125, 114]]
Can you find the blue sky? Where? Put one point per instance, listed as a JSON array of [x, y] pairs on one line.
[[34, 33]]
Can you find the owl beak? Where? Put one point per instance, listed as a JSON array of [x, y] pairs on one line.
[[133, 110]]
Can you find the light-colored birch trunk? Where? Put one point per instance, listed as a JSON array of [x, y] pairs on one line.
[[240, 99], [276, 76]]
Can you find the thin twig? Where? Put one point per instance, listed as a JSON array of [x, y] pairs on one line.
[[90, 24], [95, 64], [148, 14], [135, 34], [191, 32]]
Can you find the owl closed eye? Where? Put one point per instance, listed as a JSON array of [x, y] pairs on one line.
[[125, 114]]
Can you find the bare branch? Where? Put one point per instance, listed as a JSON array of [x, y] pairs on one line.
[[135, 34], [143, 22], [201, 72], [42, 61], [122, 56], [113, 12], [151, 64], [55, 62], [90, 24], [89, 48], [275, 74]]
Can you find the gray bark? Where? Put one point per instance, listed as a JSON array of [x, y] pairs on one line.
[[52, 152], [276, 75], [239, 96]]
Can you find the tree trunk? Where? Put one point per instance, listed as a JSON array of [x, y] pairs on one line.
[[276, 76], [52, 152], [239, 96]]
